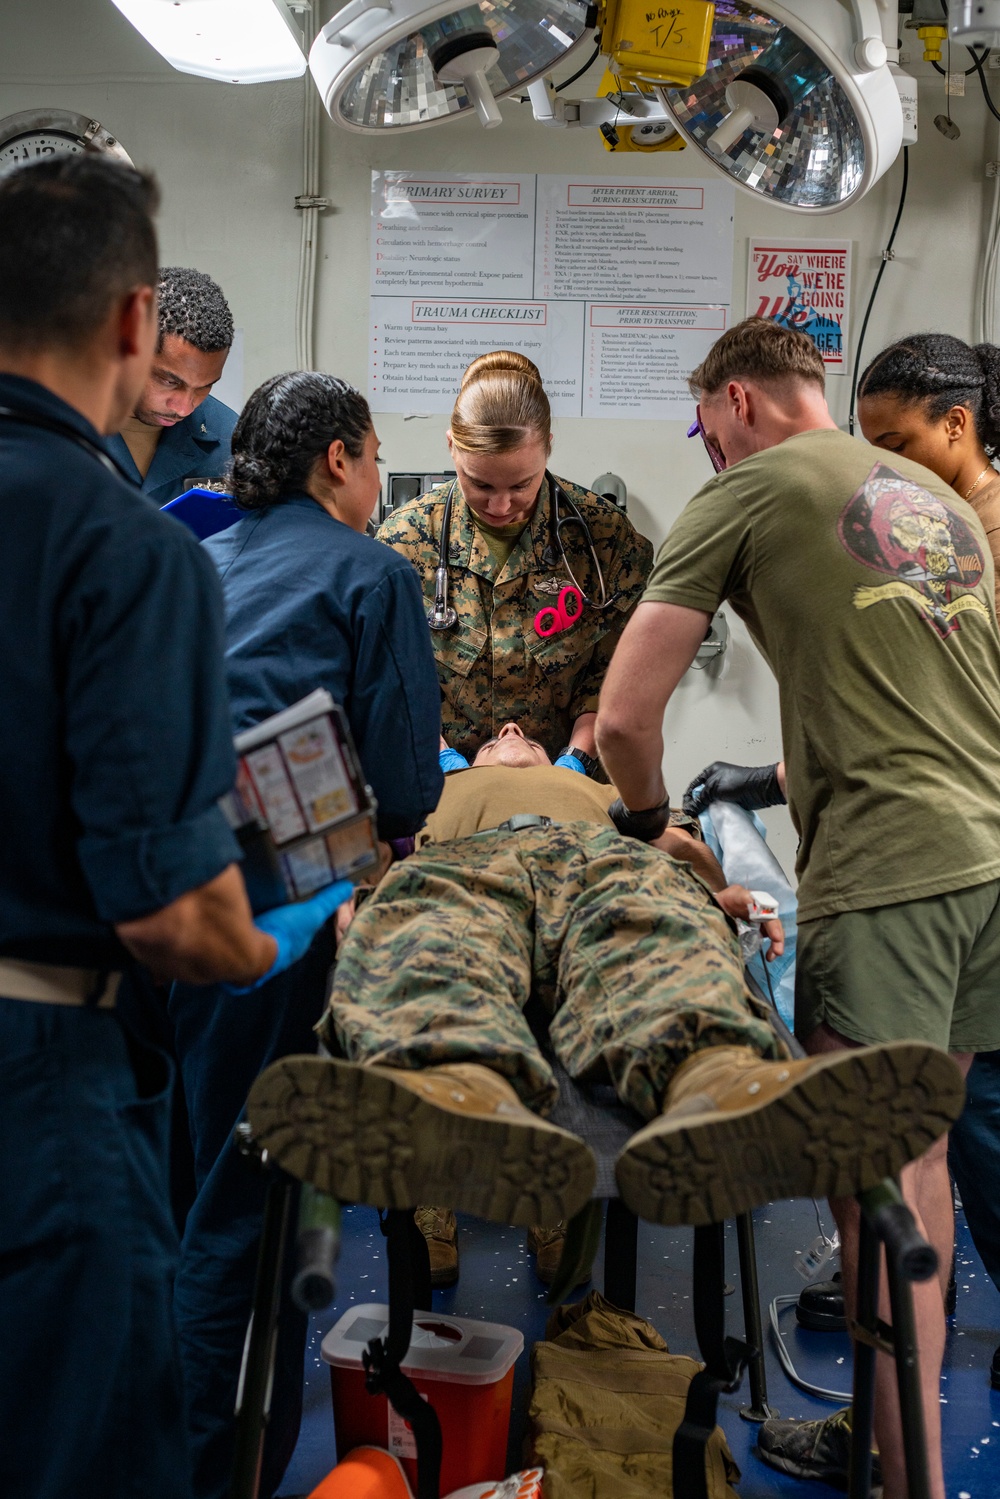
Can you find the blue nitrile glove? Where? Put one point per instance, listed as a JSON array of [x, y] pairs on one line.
[[450, 759], [293, 927], [570, 762]]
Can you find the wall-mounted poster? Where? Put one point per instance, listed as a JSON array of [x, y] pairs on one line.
[[615, 289], [805, 284]]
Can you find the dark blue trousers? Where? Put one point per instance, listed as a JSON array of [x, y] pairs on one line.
[[974, 1157], [90, 1391], [222, 1042]]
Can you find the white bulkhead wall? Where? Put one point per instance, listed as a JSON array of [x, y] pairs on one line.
[[229, 163]]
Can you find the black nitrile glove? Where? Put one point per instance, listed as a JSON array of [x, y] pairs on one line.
[[645, 825], [749, 786]]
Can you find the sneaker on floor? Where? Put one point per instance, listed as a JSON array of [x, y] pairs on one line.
[[394, 1138], [812, 1449], [546, 1244], [738, 1131], [439, 1228]]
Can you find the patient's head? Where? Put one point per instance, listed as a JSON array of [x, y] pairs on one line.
[[512, 749]]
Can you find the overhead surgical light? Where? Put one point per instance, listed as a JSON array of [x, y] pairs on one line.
[[797, 105], [404, 64], [232, 41]]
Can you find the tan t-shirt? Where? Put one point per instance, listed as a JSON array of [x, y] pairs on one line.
[[868, 586], [985, 501], [488, 795], [141, 441]]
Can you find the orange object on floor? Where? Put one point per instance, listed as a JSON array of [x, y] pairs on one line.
[[365, 1473]]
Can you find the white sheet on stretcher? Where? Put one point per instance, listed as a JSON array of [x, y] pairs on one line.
[[738, 840]]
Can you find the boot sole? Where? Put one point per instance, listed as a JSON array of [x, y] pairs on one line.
[[856, 1118], [362, 1136]]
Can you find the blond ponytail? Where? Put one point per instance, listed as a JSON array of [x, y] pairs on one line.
[[502, 404]]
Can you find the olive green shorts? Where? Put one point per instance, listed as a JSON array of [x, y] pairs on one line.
[[922, 970]]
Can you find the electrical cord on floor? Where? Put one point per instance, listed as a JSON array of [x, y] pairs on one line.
[[886, 257], [778, 1305]]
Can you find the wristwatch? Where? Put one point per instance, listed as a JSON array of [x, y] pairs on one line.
[[590, 763]]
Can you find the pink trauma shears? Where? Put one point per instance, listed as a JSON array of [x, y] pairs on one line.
[[562, 615]]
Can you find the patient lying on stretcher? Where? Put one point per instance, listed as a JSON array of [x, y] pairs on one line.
[[521, 885]]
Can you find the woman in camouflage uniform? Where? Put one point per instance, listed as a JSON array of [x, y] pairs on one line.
[[505, 565]]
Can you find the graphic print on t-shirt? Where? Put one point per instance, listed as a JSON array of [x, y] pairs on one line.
[[894, 526]]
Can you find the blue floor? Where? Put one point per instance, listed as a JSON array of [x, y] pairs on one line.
[[498, 1284]]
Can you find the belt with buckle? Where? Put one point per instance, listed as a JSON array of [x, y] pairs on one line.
[[517, 824], [49, 984]]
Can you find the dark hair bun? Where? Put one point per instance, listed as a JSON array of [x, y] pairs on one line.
[[256, 480]]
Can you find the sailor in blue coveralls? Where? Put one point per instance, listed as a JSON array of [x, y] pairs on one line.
[[116, 748], [178, 434], [311, 601]]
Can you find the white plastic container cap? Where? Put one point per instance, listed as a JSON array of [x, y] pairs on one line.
[[454, 1350]]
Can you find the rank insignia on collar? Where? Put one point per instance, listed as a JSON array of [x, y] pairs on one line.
[[550, 585]]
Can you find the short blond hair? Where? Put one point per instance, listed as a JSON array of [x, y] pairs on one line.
[[758, 349], [502, 405]]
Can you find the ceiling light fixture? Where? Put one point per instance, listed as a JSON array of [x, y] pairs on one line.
[[231, 41]]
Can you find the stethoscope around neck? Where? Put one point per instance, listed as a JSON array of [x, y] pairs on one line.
[[441, 615]]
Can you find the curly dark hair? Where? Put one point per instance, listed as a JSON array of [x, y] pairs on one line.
[[192, 306], [938, 371], [284, 427]]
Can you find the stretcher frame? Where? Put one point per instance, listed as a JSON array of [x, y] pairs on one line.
[[886, 1224]]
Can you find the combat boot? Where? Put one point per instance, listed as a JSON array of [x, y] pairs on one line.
[[738, 1131], [547, 1244], [394, 1138], [440, 1233]]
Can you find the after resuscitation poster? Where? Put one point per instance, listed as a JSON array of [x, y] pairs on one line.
[[804, 284], [615, 288]]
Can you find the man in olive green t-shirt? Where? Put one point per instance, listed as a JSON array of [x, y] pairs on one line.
[[868, 587]]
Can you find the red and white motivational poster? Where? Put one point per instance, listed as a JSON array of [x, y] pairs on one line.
[[804, 284]]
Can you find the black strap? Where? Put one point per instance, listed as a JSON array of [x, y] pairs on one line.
[[63, 429], [383, 1356], [725, 1360]]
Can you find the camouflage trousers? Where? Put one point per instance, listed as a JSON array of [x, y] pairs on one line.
[[634, 963]]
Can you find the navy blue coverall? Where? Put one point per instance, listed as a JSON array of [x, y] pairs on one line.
[[116, 747], [309, 603], [199, 447]]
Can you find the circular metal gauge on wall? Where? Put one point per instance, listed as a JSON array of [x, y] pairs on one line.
[[36, 133]]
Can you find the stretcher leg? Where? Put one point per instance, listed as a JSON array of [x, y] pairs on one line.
[[253, 1399], [886, 1220], [758, 1409], [621, 1242]]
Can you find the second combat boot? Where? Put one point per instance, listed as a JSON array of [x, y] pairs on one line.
[[456, 1135], [737, 1131]]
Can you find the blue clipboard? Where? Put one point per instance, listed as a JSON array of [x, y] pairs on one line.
[[203, 511]]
